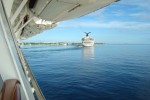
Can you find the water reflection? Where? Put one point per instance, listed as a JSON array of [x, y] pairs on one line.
[[88, 53]]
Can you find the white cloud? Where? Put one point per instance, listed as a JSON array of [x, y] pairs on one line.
[[140, 9], [141, 15], [100, 16], [111, 24], [118, 13], [139, 3]]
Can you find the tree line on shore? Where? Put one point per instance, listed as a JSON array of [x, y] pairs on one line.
[[53, 43]]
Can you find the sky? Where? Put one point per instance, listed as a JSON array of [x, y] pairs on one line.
[[123, 22]]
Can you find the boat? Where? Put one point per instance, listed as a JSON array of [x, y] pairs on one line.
[[21, 19], [87, 41]]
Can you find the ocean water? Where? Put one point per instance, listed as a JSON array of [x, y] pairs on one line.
[[104, 72]]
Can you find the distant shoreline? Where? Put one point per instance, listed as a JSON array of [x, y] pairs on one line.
[[54, 43]]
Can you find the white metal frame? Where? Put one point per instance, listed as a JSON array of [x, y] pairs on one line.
[[19, 9]]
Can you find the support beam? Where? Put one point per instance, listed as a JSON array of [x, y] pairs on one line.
[[18, 11], [21, 19], [24, 25]]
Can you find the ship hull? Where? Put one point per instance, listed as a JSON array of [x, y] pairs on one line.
[[88, 43]]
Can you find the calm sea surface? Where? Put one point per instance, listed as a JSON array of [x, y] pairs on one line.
[[105, 72]]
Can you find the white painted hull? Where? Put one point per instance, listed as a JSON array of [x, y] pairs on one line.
[[88, 43]]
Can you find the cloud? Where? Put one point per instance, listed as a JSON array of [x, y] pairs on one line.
[[134, 8], [139, 3], [141, 8], [128, 8], [112, 24], [116, 16], [118, 13], [141, 15]]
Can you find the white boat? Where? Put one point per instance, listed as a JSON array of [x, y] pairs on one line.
[[87, 41], [21, 19]]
